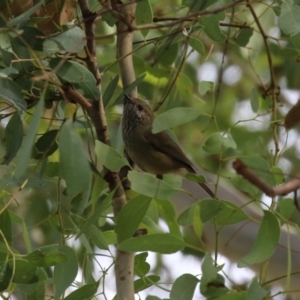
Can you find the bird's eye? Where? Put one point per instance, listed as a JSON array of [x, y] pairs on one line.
[[140, 107]]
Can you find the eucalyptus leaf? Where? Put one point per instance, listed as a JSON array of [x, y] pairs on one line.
[[47, 256], [148, 185], [160, 242], [266, 241], [173, 118], [184, 287], [65, 273], [110, 89], [19, 20], [212, 27], [78, 75], [288, 18], [217, 143], [145, 282], [74, 166], [13, 136], [197, 45], [85, 292], [72, 40], [24, 271], [26, 148], [109, 157], [131, 216], [12, 92], [144, 14]]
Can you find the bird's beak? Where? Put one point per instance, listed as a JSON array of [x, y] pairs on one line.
[[127, 99]]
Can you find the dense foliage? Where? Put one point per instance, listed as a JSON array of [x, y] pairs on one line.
[[221, 74]]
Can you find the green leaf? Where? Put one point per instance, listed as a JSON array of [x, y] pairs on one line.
[[209, 208], [217, 143], [150, 297], [150, 186], [97, 237], [286, 209], [25, 151], [6, 226], [143, 15], [103, 206], [243, 36], [19, 20], [74, 166], [109, 157], [8, 71], [13, 136], [46, 144], [234, 295], [159, 242], [165, 54], [110, 237], [35, 291], [212, 284], [196, 5], [193, 5], [65, 273], [209, 270], [289, 16], [78, 75], [8, 57], [145, 282], [29, 34], [86, 292], [110, 18], [174, 117], [5, 180], [278, 175], [72, 40], [131, 216], [256, 291], [295, 39], [266, 241], [255, 100], [212, 28], [197, 45], [167, 211], [184, 287], [5, 276], [12, 92], [24, 272], [205, 87], [110, 89], [185, 86], [141, 267], [47, 256], [52, 169], [230, 214]]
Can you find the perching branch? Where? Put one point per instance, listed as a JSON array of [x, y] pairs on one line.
[[124, 261], [124, 266], [270, 191]]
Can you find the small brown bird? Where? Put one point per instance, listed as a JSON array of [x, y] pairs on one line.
[[154, 153]]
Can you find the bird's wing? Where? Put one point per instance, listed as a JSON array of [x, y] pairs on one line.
[[162, 142]]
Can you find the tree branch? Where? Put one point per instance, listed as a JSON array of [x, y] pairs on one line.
[[270, 191], [124, 261]]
